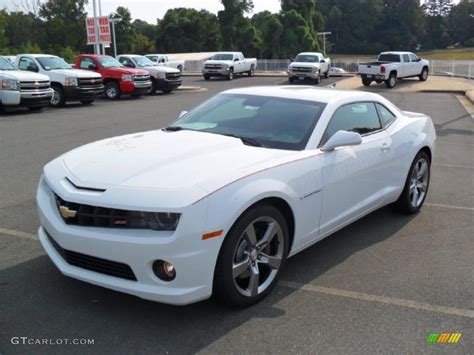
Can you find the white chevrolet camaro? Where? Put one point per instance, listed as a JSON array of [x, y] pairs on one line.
[[215, 203]]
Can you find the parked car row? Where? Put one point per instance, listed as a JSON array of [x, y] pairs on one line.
[[39, 80]]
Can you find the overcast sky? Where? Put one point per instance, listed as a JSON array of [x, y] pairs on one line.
[[150, 10]]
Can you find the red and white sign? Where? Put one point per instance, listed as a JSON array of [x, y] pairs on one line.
[[104, 30]]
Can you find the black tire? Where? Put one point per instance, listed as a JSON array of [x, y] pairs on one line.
[[58, 99], [112, 91], [251, 71], [230, 76], [207, 77], [153, 86], [224, 288], [392, 81], [87, 102], [366, 81], [180, 68], [404, 203], [166, 91], [318, 79], [326, 74], [424, 74], [35, 108], [291, 80]]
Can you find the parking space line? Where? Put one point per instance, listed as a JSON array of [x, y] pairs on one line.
[[450, 206], [14, 233], [380, 299]]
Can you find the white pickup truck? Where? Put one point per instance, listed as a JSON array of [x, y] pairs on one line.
[[69, 84], [163, 79], [309, 65], [228, 64], [391, 66], [20, 89], [164, 60]]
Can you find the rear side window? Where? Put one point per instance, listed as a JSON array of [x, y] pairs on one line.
[[386, 116], [358, 117], [406, 58]]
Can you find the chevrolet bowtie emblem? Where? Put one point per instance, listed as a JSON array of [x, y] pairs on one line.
[[66, 212]]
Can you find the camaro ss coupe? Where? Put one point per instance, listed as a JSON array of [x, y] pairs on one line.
[[215, 203]]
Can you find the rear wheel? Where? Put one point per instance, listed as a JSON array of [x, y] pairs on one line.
[[416, 185], [366, 81], [424, 74], [392, 81], [252, 257], [112, 91], [251, 71], [57, 100]]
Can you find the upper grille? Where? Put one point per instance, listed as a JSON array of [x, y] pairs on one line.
[[213, 66], [33, 85], [93, 216], [89, 82], [92, 263], [141, 78], [302, 69], [173, 76]]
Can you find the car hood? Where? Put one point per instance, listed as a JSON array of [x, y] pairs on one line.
[[167, 160], [78, 73], [163, 69], [228, 62], [304, 65], [23, 75], [129, 71]]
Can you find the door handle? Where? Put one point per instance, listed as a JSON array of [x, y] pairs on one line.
[[386, 147]]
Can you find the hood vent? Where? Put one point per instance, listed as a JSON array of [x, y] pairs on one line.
[[84, 187]]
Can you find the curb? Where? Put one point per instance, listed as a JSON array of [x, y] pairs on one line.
[[470, 96]]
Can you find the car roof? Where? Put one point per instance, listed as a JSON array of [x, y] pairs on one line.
[[396, 52], [310, 53], [36, 55], [308, 93], [130, 55]]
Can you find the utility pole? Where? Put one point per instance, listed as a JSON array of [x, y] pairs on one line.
[[324, 40], [114, 18], [102, 47], [96, 26]]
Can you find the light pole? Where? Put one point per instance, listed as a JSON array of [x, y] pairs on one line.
[[324, 40], [113, 19], [96, 45]]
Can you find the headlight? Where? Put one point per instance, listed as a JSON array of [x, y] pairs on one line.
[[127, 77], [9, 84], [290, 68], [160, 75], [70, 81], [315, 69], [224, 66], [161, 221]]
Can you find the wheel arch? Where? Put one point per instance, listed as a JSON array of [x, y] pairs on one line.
[[394, 71], [427, 150]]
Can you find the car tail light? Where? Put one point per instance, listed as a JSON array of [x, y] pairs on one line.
[[382, 69]]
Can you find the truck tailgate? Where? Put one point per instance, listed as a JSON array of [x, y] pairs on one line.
[[369, 68]]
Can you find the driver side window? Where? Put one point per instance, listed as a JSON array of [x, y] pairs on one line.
[[86, 63], [126, 62], [27, 64], [360, 117]]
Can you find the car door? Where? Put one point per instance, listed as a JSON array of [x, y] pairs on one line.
[[416, 65], [406, 66], [354, 176]]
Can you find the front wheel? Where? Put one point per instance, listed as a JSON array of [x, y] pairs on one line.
[[230, 76], [416, 185], [112, 91], [318, 79], [58, 99], [424, 74], [207, 77], [251, 71], [166, 91], [326, 74], [252, 257]]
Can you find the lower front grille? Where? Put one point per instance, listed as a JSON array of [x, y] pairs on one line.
[[92, 83], [33, 85], [302, 70], [173, 76], [92, 263], [141, 78]]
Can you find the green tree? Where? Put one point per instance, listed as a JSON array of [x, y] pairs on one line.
[[297, 36], [65, 24], [270, 29], [461, 22], [234, 26], [124, 30], [141, 44], [188, 30], [3, 38]]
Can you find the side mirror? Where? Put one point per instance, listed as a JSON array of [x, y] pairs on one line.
[[322, 61], [418, 59], [32, 68], [342, 139], [292, 60], [92, 66], [130, 65], [236, 59], [182, 113]]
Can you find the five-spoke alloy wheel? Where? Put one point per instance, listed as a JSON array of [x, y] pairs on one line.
[[251, 257]]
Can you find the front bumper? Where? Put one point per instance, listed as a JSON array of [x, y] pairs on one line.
[[30, 98], [167, 85], [135, 87], [78, 93], [193, 258], [215, 72]]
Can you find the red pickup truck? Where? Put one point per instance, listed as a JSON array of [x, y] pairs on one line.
[[117, 78]]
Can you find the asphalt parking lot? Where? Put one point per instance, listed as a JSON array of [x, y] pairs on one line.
[[380, 285]]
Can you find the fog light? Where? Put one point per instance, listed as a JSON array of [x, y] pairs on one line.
[[164, 270]]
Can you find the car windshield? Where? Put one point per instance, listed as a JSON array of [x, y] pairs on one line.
[[303, 58], [223, 57], [273, 122], [109, 62], [6, 64], [143, 61], [389, 58], [50, 63]]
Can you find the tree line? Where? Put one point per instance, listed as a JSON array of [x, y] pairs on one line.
[[357, 26]]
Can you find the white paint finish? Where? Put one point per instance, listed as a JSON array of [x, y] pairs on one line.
[[211, 180]]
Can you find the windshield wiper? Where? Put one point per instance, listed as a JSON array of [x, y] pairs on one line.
[[246, 140], [173, 129]]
